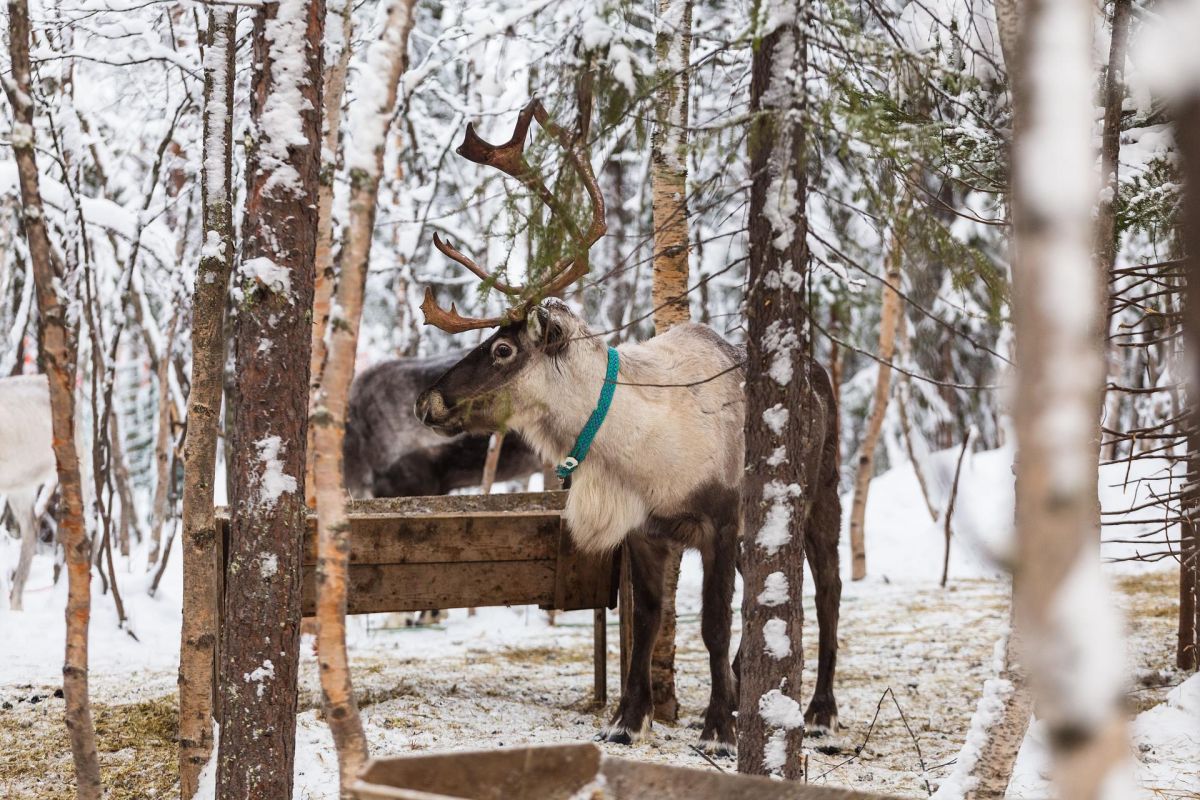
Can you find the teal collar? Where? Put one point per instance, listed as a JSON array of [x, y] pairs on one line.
[[583, 442]]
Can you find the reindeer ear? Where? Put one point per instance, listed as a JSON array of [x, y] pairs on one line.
[[535, 323]]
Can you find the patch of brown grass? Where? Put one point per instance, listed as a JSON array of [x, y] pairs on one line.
[[137, 743]]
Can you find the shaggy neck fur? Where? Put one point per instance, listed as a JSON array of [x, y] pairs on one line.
[[657, 446]]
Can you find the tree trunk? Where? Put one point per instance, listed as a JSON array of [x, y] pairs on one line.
[[163, 443], [903, 406], [673, 47], [889, 320], [57, 351], [1060, 601], [197, 646], [770, 721], [370, 119], [260, 640], [1188, 139], [335, 89], [991, 772], [128, 518]]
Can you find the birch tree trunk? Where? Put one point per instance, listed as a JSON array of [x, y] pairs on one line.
[[56, 344], [370, 120], [673, 47], [335, 89], [783, 415], [1060, 602], [272, 347], [197, 646], [889, 320]]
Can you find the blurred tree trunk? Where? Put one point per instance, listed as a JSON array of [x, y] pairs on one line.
[[668, 178], [889, 321], [770, 722], [1060, 601], [369, 123], [197, 647], [260, 640], [57, 350], [163, 443], [326, 277]]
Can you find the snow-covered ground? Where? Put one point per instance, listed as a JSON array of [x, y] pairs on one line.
[[507, 677]]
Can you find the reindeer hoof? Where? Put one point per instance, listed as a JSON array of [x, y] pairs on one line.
[[618, 734], [715, 747], [817, 725]]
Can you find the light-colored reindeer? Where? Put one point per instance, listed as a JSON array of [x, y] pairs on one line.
[[26, 463], [664, 467]]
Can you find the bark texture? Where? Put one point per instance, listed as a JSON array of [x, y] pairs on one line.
[[335, 89], [782, 417], [1059, 597], [57, 350], [669, 292], [272, 343], [197, 647], [889, 321], [1188, 139], [387, 58]]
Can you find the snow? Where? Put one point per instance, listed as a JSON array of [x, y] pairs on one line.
[[776, 418], [775, 590], [281, 124], [206, 787], [266, 272], [781, 342], [259, 674], [1164, 54], [268, 565], [274, 482], [775, 638], [216, 113], [371, 113], [776, 530], [505, 677]]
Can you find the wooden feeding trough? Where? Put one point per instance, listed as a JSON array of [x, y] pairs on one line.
[[463, 551], [566, 772]]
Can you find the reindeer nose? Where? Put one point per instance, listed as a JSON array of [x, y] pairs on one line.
[[431, 408]]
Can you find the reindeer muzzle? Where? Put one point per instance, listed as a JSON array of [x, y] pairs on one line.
[[431, 409]]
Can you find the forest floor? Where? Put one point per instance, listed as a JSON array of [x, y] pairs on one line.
[[506, 677]]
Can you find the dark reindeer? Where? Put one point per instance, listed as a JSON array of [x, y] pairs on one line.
[[388, 453], [667, 463]]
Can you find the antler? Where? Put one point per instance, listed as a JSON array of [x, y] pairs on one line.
[[509, 158]]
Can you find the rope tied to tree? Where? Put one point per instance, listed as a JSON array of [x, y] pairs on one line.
[[583, 442]]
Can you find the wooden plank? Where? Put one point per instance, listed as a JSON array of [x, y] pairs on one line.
[[462, 504], [445, 538], [600, 656], [416, 587], [582, 580]]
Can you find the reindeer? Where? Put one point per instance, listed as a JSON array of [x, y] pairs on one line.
[[388, 453], [26, 463], [666, 463]]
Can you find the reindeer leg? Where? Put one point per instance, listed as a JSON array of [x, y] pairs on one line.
[[720, 564], [23, 503], [636, 709], [821, 548]]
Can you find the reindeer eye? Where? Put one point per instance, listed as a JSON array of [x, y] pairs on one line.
[[502, 351]]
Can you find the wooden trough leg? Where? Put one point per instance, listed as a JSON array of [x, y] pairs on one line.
[[600, 655]]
